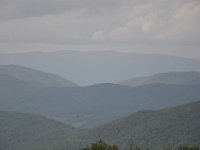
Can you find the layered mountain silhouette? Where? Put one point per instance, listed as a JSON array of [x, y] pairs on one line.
[[155, 129], [87, 106], [87, 68], [178, 78], [34, 77], [20, 131], [41, 110]]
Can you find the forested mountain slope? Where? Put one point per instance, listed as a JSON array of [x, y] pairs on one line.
[[155, 129], [35, 77], [178, 78]]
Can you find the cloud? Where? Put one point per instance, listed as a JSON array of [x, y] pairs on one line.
[[12, 9], [183, 24], [105, 22], [137, 21], [148, 24]]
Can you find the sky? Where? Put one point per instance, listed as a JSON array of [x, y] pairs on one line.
[[169, 27]]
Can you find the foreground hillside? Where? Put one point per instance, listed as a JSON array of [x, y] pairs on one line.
[[178, 78], [20, 131], [157, 129]]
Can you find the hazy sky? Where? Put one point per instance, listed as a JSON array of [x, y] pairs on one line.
[[147, 26]]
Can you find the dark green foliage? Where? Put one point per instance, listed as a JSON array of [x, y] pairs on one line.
[[157, 129], [20, 131], [134, 147], [186, 147], [150, 130], [104, 146], [101, 146], [169, 147]]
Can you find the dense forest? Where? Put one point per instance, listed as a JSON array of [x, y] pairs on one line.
[[100, 145], [153, 129]]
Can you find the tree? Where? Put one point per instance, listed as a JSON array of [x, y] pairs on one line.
[[132, 145], [169, 147], [101, 146], [186, 147]]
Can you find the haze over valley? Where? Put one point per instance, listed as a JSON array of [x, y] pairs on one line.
[[99, 75], [34, 91], [87, 68]]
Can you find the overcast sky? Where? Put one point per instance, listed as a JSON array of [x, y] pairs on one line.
[[146, 26]]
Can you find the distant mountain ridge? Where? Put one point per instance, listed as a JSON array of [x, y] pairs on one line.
[[35, 77], [178, 78], [87, 68]]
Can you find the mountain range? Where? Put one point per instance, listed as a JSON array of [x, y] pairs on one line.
[[34, 77], [87, 106], [155, 129], [87, 68], [41, 111], [178, 78], [19, 131]]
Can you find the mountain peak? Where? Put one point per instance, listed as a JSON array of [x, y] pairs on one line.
[[35, 77]]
